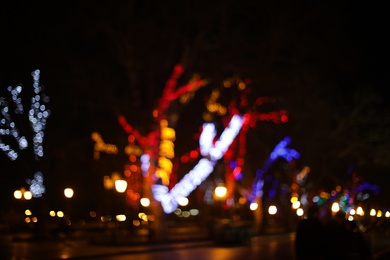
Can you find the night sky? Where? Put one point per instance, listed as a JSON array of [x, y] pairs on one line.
[[326, 64]]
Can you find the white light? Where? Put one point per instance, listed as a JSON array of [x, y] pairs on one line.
[[253, 206], [145, 202], [182, 201], [335, 207], [120, 186], [300, 212], [272, 210], [201, 170], [372, 212]]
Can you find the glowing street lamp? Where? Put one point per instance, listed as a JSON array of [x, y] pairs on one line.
[[22, 194], [220, 192], [272, 210], [120, 186], [145, 202], [68, 192]]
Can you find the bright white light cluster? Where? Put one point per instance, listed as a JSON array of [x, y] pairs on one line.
[[38, 114], [36, 185], [7, 125], [169, 200]]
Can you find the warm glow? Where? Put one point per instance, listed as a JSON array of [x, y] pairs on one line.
[[120, 186], [272, 210], [18, 194], [335, 207], [360, 211], [296, 204], [28, 212], [379, 214], [68, 192], [220, 191], [352, 212], [27, 195], [372, 212], [387, 214], [182, 201], [300, 212], [253, 206], [121, 217], [60, 214], [52, 213], [145, 202]]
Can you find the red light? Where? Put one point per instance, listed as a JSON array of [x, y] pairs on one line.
[[284, 118], [193, 154]]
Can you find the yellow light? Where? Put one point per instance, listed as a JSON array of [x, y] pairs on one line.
[[360, 211], [293, 199], [379, 214], [335, 207], [121, 217], [52, 213], [68, 192], [372, 212], [220, 191], [27, 195], [18, 194], [120, 186], [28, 212], [60, 214]]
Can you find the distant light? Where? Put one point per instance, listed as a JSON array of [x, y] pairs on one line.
[[352, 212], [27, 195], [360, 211], [272, 210], [28, 212], [300, 212], [253, 206], [372, 212], [18, 194], [296, 204], [52, 213], [350, 218], [387, 214], [120, 186], [60, 214], [220, 191], [335, 207], [68, 192], [379, 214], [182, 201], [194, 212], [121, 217], [145, 202]]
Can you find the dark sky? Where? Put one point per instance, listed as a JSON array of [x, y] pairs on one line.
[[99, 60]]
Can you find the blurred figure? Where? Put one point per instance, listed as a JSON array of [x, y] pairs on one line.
[[344, 240], [310, 237]]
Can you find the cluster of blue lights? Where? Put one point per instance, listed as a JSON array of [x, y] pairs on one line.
[[36, 185], [280, 151]]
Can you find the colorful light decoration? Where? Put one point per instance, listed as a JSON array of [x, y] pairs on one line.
[[212, 152], [280, 150], [101, 146]]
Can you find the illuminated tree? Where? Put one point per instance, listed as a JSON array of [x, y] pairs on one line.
[[13, 139]]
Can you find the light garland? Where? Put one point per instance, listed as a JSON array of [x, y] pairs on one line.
[[101, 146], [38, 114], [213, 152]]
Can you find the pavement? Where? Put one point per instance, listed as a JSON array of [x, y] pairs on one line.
[[82, 248]]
